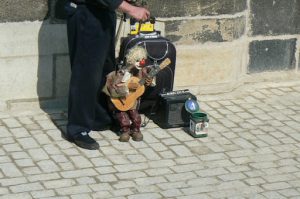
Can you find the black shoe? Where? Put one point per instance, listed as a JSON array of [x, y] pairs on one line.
[[83, 140]]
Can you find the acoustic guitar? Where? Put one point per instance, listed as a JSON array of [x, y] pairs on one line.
[[125, 103]]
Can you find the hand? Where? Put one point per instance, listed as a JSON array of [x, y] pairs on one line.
[[139, 13]]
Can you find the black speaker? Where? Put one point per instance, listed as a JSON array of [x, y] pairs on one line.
[[170, 110]]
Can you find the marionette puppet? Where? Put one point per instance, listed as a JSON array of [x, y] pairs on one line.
[[124, 88]]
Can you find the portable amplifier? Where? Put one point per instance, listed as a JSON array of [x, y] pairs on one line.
[[170, 111]]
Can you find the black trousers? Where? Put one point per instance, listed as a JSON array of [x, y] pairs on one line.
[[91, 32]]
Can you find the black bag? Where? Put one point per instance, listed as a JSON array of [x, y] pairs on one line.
[[158, 49], [170, 110]]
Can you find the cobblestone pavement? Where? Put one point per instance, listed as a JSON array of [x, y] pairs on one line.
[[252, 151]]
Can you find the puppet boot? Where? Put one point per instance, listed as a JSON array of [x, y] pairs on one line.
[[124, 122], [136, 125]]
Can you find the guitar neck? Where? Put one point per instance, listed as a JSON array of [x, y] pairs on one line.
[[154, 70], [151, 74]]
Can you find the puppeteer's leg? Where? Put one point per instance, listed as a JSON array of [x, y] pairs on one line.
[[136, 125], [124, 122]]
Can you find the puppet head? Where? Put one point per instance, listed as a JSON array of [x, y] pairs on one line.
[[136, 57]]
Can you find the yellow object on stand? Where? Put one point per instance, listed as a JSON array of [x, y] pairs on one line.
[[137, 27]]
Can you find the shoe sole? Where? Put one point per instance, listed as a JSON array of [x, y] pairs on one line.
[[78, 144], [137, 140]]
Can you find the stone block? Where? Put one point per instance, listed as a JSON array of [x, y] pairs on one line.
[[3, 106], [298, 58], [201, 65], [175, 8], [62, 75], [272, 55], [23, 10], [26, 77], [275, 17], [218, 7], [32, 38], [206, 30]]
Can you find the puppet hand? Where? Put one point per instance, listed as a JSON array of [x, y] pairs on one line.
[[148, 81]]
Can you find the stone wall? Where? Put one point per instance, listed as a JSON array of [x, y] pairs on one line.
[[219, 43]]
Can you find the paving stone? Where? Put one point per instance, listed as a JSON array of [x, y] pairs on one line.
[[38, 154], [288, 169], [72, 151], [131, 175], [86, 180], [214, 147], [106, 170], [276, 186], [136, 158], [26, 187], [187, 160], [10, 170], [20, 132], [107, 178], [170, 141], [73, 190], [204, 196], [159, 133], [232, 176], [218, 163], [101, 194], [101, 187], [11, 122], [32, 170], [43, 194], [28, 143], [79, 196], [181, 176], [66, 166], [12, 147], [24, 162], [12, 181], [17, 196], [124, 184], [50, 176], [127, 168], [167, 154], [290, 192], [211, 172], [197, 190], [46, 124], [81, 162], [145, 196], [48, 166], [3, 191], [54, 184], [150, 154], [161, 163], [4, 132], [171, 193], [4, 159], [43, 139], [255, 181], [25, 120], [158, 171], [79, 173], [122, 192]]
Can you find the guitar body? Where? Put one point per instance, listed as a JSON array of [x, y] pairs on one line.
[[126, 103]]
